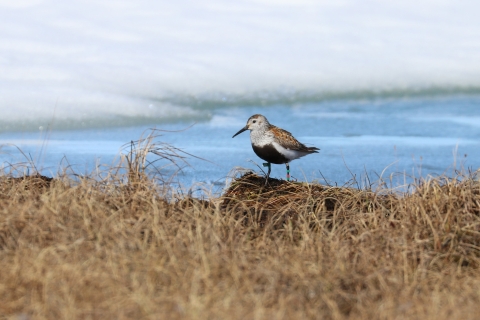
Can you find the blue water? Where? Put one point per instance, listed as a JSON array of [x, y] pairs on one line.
[[361, 141]]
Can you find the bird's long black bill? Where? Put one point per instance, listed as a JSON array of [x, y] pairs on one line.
[[241, 130]]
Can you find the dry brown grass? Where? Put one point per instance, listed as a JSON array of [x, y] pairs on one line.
[[90, 249]]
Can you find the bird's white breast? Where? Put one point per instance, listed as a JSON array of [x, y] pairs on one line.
[[261, 138]]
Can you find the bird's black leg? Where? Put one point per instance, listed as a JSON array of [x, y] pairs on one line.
[[288, 171], [269, 165]]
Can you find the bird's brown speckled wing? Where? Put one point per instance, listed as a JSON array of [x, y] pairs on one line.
[[285, 138]]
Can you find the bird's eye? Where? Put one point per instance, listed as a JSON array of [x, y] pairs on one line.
[[254, 121]]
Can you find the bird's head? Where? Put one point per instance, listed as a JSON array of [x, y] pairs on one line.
[[255, 122]]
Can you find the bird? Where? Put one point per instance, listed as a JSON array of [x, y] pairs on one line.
[[273, 144]]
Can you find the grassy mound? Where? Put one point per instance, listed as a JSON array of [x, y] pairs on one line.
[[94, 249], [292, 198]]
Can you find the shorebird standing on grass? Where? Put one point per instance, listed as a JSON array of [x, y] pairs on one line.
[[274, 144]]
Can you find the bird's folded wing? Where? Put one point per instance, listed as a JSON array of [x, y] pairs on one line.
[[285, 138]]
